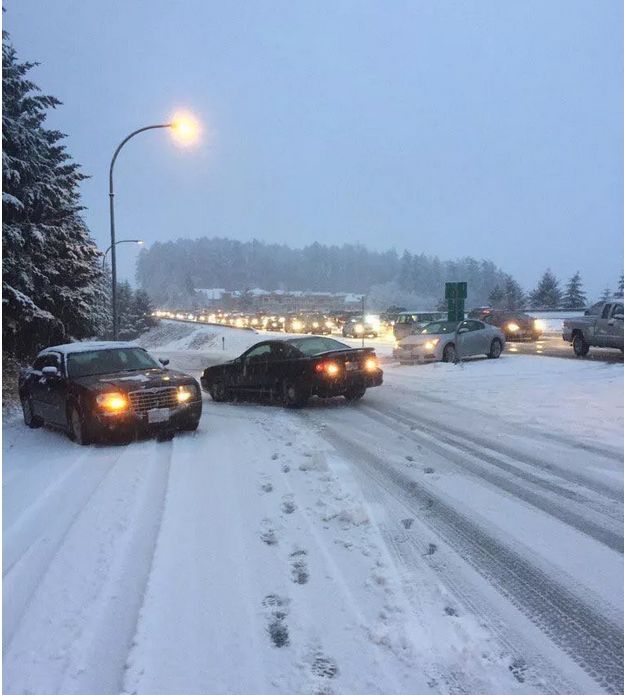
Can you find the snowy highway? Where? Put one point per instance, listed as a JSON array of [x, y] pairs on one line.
[[460, 530]]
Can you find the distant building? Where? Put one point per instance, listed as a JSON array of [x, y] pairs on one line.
[[278, 301]]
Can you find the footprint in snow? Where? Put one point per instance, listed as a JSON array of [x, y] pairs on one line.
[[518, 668], [274, 457], [428, 469], [286, 469], [268, 535], [324, 667], [288, 506], [267, 487], [431, 550], [450, 611], [299, 569], [407, 523], [277, 627]]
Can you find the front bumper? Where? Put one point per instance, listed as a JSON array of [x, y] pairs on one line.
[[414, 356], [179, 417]]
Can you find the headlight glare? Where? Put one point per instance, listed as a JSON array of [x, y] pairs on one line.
[[113, 402]]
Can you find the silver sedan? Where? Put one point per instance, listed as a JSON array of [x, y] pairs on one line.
[[446, 341]]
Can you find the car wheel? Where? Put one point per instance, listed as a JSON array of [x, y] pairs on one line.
[[293, 395], [496, 349], [191, 426], [219, 392], [449, 353], [354, 394], [580, 345], [78, 429], [30, 419]]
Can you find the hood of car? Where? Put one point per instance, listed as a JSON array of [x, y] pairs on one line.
[[134, 380]]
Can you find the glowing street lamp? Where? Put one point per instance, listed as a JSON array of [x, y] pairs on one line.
[[185, 131]]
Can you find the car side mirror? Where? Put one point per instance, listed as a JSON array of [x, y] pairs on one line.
[[463, 330], [164, 362], [50, 372]]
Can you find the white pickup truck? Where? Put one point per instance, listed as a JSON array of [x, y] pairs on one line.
[[603, 328]]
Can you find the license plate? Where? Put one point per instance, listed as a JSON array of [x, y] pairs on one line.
[[158, 415], [352, 366]]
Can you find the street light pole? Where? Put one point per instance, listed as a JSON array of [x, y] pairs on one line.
[[121, 241], [112, 218]]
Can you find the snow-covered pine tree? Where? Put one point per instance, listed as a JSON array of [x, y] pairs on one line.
[[606, 294], [514, 298], [496, 297], [574, 297], [547, 294], [52, 280], [620, 287]]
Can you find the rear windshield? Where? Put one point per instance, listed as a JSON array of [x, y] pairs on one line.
[[315, 346], [439, 327], [108, 361]]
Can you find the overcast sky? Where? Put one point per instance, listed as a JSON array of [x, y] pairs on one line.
[[490, 128]]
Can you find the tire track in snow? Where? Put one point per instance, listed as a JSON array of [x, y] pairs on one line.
[[591, 640], [461, 453], [31, 561], [487, 444], [530, 432], [99, 657]]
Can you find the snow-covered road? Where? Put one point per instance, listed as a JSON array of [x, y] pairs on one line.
[[458, 531]]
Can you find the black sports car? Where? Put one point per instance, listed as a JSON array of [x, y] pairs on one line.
[[293, 370], [94, 389]]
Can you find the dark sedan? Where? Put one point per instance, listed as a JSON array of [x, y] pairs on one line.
[[516, 325], [293, 370], [93, 389]]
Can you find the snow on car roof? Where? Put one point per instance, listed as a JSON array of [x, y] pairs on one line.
[[88, 346]]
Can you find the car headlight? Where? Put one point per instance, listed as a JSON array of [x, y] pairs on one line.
[[431, 344], [185, 393], [539, 325], [316, 324], [513, 327], [297, 325], [113, 402]]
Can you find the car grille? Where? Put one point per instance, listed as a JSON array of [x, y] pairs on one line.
[[145, 400]]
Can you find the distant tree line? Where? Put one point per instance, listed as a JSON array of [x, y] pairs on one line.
[[53, 286], [171, 271]]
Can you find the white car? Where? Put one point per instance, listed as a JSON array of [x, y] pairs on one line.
[[445, 341]]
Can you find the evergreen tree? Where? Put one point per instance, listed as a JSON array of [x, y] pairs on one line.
[[547, 294], [606, 295], [52, 285], [620, 287], [514, 298], [574, 297], [496, 297]]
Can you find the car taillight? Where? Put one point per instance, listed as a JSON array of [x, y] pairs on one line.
[[371, 364], [327, 368]]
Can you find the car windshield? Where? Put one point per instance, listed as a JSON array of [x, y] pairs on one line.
[[315, 346], [108, 361], [439, 327]]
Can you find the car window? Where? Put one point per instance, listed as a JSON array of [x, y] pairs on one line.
[[618, 309], [475, 325], [438, 327], [605, 311], [314, 346], [110, 361], [259, 352], [50, 359]]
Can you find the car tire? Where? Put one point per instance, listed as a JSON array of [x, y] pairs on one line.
[[191, 426], [355, 394], [78, 429], [449, 353], [495, 350], [580, 345], [293, 395], [30, 419], [219, 393]]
